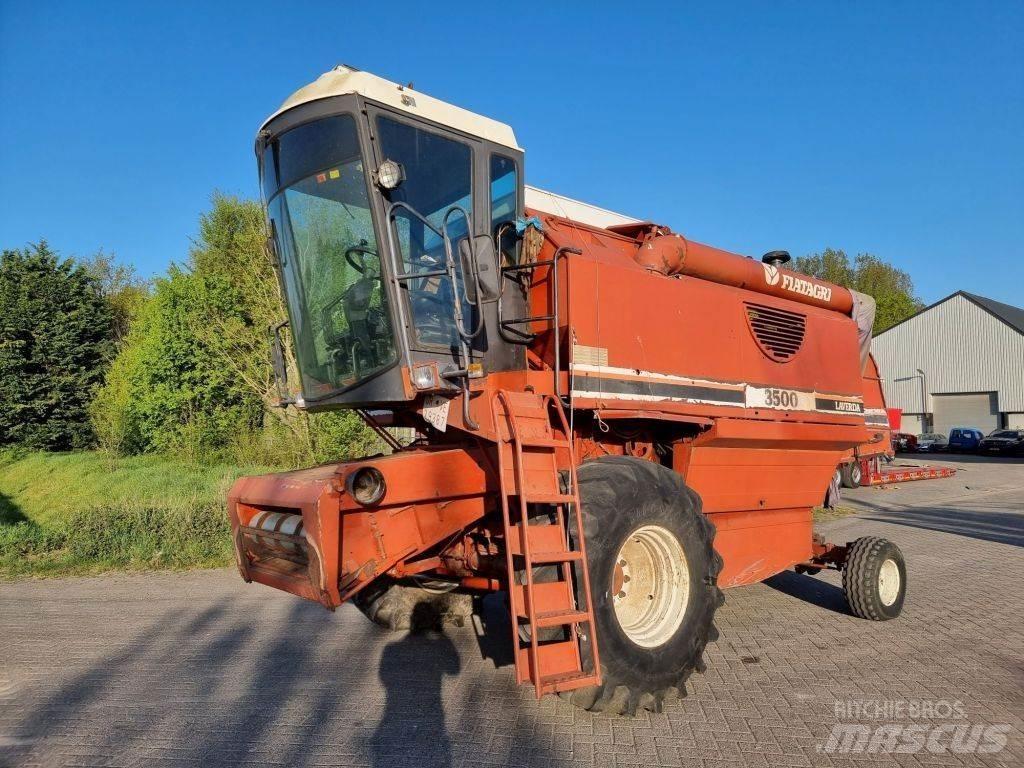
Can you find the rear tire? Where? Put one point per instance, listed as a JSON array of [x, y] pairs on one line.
[[407, 606], [851, 474], [875, 579], [653, 629]]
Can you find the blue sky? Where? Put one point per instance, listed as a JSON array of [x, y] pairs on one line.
[[893, 127]]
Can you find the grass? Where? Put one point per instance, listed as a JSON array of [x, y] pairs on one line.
[[88, 511]]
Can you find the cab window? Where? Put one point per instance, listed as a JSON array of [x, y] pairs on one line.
[[504, 186]]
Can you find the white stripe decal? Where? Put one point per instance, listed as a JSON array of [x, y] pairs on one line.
[[630, 384]]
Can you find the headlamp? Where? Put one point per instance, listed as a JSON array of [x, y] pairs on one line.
[[366, 485]]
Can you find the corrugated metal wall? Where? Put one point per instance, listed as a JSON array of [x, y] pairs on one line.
[[960, 347]]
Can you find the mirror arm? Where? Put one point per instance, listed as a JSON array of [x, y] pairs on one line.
[[278, 364]]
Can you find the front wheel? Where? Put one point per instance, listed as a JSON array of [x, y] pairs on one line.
[[875, 579], [653, 576]]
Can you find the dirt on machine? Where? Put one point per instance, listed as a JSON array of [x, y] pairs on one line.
[[611, 424]]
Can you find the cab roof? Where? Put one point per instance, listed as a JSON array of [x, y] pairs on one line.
[[343, 80]]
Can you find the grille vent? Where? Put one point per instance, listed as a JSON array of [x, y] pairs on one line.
[[779, 333]]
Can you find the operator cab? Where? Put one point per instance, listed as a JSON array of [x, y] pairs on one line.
[[386, 210]]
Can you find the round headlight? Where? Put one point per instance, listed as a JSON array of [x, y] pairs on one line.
[[390, 174], [366, 485]]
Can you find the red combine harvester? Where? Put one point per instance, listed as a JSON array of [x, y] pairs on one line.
[[614, 423]]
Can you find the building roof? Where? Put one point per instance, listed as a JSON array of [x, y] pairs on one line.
[[344, 80], [1012, 316]]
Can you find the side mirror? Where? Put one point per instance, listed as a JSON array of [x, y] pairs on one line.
[[278, 364], [480, 273]]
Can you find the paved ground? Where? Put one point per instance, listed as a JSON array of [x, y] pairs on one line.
[[199, 669]]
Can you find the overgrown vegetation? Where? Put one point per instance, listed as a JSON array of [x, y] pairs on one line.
[[171, 380], [89, 511], [193, 376]]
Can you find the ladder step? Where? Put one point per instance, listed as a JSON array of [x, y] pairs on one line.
[[568, 681], [543, 538], [541, 558], [530, 441], [561, 618], [557, 658], [547, 498], [548, 597]]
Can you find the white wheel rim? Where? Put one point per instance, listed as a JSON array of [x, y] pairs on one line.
[[888, 582], [655, 588]]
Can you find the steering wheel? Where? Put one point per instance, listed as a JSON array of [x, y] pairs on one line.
[[362, 250]]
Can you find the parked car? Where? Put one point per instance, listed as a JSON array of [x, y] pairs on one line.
[[965, 439], [932, 442], [1004, 441], [903, 442]]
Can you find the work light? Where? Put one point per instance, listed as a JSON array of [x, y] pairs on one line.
[[425, 377], [390, 174]]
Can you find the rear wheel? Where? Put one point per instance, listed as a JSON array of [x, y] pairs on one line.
[[425, 604], [653, 575], [875, 579], [851, 474]]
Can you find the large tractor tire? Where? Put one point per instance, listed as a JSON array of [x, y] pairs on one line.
[[875, 579], [413, 606], [653, 577], [851, 474]]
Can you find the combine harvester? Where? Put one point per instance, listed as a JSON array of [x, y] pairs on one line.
[[614, 423]]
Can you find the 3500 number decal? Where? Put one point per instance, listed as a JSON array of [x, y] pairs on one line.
[[781, 398]]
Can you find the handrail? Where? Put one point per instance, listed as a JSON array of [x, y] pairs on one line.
[[553, 317], [449, 272]]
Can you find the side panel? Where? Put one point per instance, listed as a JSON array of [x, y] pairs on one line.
[[758, 544]]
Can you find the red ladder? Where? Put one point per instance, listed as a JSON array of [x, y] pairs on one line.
[[529, 459]]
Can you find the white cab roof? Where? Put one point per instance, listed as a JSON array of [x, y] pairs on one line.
[[566, 207], [344, 80]]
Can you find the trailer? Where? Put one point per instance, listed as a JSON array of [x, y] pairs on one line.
[[614, 423]]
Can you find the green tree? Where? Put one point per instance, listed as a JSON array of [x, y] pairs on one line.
[[56, 337], [121, 286], [194, 375], [166, 391], [891, 288]]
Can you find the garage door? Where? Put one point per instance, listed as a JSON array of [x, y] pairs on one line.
[[977, 409]]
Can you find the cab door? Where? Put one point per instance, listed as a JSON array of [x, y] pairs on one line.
[[447, 190]]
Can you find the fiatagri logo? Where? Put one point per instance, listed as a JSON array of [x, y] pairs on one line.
[[796, 284]]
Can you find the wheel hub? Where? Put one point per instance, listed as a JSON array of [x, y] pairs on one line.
[[650, 585], [888, 582]]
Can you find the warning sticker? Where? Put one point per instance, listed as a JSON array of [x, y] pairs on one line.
[[435, 411]]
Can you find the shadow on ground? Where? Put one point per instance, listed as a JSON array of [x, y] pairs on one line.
[[810, 589], [206, 688], [1000, 527], [10, 513]]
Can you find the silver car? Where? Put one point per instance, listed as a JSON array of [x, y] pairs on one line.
[[931, 442]]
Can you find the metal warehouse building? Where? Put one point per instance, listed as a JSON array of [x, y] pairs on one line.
[[957, 363]]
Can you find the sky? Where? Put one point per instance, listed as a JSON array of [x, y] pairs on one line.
[[895, 128]]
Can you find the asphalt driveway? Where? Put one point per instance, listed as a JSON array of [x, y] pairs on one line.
[[197, 668]]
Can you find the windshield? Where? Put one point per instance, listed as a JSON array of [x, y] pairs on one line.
[[438, 175], [1006, 433], [330, 263]]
